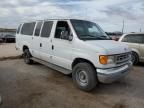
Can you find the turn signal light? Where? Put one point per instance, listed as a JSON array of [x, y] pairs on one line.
[[103, 59]]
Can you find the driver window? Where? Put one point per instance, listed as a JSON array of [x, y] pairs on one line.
[[62, 30]]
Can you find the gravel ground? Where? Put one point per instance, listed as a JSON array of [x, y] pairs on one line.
[[8, 50], [37, 86]]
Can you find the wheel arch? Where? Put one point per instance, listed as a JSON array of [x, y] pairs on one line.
[[80, 60], [25, 47], [136, 51]]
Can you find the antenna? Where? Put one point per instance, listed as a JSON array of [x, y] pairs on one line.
[[123, 26], [140, 30]]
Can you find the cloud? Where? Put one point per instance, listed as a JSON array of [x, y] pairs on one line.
[[108, 14], [18, 11], [130, 11]]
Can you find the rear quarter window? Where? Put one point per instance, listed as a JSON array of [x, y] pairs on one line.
[[28, 28]]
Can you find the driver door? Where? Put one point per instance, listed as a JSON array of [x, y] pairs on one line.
[[61, 46]]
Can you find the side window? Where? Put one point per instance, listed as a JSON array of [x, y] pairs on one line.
[[46, 30], [28, 28], [62, 30], [38, 28], [143, 39], [18, 30], [135, 38]]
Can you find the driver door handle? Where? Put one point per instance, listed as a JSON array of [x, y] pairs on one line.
[[40, 44], [52, 47]]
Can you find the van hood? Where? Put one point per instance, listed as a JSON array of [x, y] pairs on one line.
[[112, 47]]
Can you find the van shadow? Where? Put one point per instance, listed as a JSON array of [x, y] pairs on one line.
[[126, 86], [141, 64]]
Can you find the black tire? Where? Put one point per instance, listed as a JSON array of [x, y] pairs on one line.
[[135, 58], [0, 100], [27, 57], [84, 71]]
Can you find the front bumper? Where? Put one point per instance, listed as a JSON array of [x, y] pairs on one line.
[[113, 74]]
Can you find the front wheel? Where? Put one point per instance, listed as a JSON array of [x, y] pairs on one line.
[[135, 58], [27, 57], [84, 76]]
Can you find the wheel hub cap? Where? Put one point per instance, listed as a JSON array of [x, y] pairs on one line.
[[82, 78]]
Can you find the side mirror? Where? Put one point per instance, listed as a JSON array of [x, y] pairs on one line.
[[65, 35], [70, 38]]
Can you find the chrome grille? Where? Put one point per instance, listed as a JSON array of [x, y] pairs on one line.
[[121, 58]]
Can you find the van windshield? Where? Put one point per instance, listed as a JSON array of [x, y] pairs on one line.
[[87, 30]]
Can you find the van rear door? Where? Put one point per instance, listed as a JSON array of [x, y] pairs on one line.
[[18, 36]]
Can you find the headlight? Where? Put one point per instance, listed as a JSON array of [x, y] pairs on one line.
[[103, 59]]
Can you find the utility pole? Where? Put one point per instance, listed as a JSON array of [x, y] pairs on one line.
[[123, 26], [140, 30]]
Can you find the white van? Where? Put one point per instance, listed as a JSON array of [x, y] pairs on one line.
[[76, 47]]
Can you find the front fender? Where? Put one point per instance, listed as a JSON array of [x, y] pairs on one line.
[[24, 43], [91, 57]]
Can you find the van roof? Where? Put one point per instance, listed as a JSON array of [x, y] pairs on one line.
[[63, 19], [55, 19]]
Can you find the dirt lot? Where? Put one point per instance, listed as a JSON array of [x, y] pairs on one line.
[[37, 86], [8, 50]]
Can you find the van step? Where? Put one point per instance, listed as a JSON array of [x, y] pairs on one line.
[[50, 65]]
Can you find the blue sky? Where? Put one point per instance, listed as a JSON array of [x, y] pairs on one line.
[[109, 14]]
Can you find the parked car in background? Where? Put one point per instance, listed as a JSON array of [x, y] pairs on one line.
[[1, 40], [114, 35], [136, 42], [8, 38]]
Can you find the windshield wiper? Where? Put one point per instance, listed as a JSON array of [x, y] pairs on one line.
[[88, 35], [97, 37], [91, 37], [105, 37]]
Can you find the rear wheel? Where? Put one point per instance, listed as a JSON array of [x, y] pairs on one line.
[[27, 57], [84, 76], [0, 100]]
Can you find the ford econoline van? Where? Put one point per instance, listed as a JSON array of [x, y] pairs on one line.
[[76, 47]]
